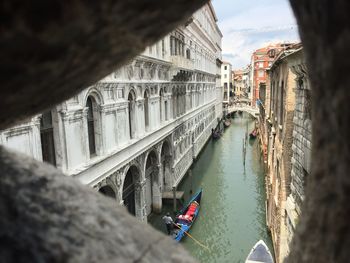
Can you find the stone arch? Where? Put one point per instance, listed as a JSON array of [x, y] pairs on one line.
[[96, 94], [107, 191], [132, 190], [152, 186]]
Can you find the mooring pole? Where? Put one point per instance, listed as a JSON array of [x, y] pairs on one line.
[[174, 198], [190, 175]]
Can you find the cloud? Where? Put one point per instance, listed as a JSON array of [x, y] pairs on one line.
[[248, 25]]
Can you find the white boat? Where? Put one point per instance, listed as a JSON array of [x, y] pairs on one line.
[[259, 253]]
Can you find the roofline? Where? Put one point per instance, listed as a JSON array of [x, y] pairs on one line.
[[226, 62], [212, 11], [282, 56]]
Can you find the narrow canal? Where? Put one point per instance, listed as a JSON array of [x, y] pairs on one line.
[[232, 215]]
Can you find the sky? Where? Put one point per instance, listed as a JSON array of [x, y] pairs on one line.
[[247, 25]]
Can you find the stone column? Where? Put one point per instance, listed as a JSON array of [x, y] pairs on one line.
[[140, 201], [139, 118], [85, 135], [62, 132], [156, 188], [36, 141], [102, 147]]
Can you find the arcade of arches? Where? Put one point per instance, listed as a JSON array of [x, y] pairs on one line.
[[140, 190]]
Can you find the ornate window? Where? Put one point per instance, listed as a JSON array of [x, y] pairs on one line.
[[90, 103], [47, 138], [131, 112]]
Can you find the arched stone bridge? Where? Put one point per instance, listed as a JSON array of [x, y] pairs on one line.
[[246, 108]]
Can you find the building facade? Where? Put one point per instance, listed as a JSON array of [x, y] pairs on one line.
[[246, 82], [135, 133], [226, 82], [283, 133], [261, 60], [238, 84]]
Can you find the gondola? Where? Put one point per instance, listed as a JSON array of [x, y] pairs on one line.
[[187, 216], [253, 134], [216, 135], [260, 253], [227, 123]]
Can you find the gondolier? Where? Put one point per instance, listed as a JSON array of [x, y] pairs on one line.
[[168, 222]]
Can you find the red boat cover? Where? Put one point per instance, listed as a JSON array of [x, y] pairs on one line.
[[191, 210]]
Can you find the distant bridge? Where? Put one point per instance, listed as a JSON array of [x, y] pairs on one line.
[[246, 108]]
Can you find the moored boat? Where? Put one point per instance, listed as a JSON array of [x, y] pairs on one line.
[[216, 135], [253, 134], [187, 216], [260, 253], [227, 123]]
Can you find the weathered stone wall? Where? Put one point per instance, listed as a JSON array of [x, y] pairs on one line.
[[301, 159]]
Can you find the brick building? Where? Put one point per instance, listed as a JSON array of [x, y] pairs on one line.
[[261, 60], [282, 132]]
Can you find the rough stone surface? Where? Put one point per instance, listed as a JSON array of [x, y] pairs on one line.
[[323, 234], [49, 51], [48, 217]]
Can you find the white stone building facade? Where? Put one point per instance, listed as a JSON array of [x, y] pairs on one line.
[[135, 133]]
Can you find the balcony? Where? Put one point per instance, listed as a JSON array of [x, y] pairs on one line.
[[182, 62], [182, 68]]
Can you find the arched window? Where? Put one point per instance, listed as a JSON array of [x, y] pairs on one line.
[[47, 138], [161, 101], [131, 111], [146, 101], [90, 103], [107, 191], [131, 194]]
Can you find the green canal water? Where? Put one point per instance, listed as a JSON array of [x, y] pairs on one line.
[[232, 215]]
